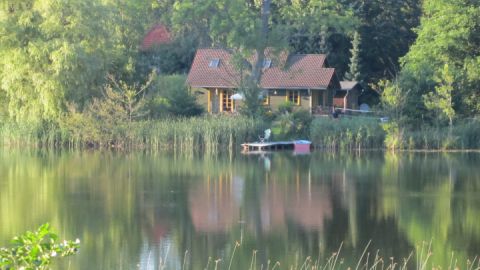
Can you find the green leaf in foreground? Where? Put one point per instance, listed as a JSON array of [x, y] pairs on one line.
[[36, 250]]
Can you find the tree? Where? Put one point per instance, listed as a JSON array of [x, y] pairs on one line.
[[387, 31], [130, 97], [354, 73], [319, 26], [442, 99], [447, 37], [55, 52]]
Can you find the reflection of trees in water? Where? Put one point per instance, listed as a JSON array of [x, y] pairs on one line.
[[131, 206], [434, 197]]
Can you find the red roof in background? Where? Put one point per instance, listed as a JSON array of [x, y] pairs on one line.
[[157, 35], [298, 71]]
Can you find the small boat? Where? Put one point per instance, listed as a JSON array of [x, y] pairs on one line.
[[301, 146]]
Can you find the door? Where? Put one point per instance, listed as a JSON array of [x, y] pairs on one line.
[[226, 102]]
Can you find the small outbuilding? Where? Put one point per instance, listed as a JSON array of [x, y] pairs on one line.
[[347, 96]]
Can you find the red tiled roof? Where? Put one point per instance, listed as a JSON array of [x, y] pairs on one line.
[[301, 71], [223, 76], [157, 35]]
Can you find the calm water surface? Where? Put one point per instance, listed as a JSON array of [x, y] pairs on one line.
[[140, 210]]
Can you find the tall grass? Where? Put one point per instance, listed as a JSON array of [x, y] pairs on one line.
[[420, 259], [222, 133], [347, 133], [210, 134], [368, 133], [465, 135], [21, 135]]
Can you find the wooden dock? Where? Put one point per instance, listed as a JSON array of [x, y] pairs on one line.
[[268, 146], [300, 146]]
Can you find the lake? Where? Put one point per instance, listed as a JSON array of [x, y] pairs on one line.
[[145, 210]]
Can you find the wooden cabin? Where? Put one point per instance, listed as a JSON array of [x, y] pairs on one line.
[[303, 79]]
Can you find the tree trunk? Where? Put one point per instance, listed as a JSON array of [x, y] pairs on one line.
[[252, 103], [262, 45]]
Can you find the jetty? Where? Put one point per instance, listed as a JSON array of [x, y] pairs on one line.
[[298, 146]]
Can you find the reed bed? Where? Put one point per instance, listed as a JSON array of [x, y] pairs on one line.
[[224, 133], [347, 133], [464, 135], [209, 134]]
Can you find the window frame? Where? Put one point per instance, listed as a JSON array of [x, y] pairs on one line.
[[214, 63], [296, 97], [267, 63]]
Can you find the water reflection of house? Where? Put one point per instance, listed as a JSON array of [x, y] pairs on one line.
[[310, 207], [273, 214], [307, 206], [215, 205]]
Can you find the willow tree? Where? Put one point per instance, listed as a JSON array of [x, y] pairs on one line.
[[54, 52]]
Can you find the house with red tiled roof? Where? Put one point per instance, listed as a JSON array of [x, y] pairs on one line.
[[302, 79], [157, 35]]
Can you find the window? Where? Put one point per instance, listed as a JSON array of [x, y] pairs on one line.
[[293, 96], [226, 101], [267, 63], [214, 63]]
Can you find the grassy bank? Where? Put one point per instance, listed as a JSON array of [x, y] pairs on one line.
[[209, 134]]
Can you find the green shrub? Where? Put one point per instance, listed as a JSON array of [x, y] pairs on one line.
[[394, 139], [170, 97], [286, 107], [36, 250], [293, 125]]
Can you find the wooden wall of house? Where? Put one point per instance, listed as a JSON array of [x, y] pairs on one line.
[[352, 101], [209, 99], [319, 98], [276, 98], [279, 97], [329, 93], [305, 100]]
